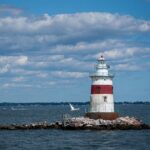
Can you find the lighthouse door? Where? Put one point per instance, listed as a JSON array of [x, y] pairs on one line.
[[105, 103]]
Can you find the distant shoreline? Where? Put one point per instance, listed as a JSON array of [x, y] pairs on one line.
[[63, 103]]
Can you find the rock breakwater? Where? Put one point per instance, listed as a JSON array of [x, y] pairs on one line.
[[83, 123]]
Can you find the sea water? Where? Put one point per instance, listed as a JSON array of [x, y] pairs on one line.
[[72, 139]]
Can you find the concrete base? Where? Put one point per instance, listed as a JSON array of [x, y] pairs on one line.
[[102, 115]]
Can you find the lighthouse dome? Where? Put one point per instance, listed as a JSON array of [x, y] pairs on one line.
[[102, 67]]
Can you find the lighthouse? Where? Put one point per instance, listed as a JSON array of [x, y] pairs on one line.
[[101, 98]]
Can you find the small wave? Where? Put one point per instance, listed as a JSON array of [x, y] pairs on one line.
[[14, 109]]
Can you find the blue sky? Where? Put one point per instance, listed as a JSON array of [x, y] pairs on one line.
[[48, 48]]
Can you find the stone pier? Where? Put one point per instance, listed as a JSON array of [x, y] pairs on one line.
[[83, 123]]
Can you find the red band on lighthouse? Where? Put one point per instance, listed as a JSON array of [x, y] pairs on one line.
[[101, 89]]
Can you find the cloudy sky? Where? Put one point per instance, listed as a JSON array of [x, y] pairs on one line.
[[48, 48]]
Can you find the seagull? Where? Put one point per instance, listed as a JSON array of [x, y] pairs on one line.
[[73, 108]]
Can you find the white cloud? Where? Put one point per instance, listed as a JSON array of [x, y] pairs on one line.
[[18, 79], [66, 23], [44, 61], [10, 85], [65, 46], [51, 83], [127, 67], [60, 31], [65, 74], [26, 72], [124, 52], [59, 61], [42, 75], [10, 9], [13, 60], [22, 60], [9, 63], [81, 46], [4, 69]]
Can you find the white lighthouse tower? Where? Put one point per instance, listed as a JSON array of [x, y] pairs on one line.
[[101, 99]]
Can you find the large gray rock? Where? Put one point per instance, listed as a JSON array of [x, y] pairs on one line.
[[119, 123]]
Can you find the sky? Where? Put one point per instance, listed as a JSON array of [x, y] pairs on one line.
[[48, 48]]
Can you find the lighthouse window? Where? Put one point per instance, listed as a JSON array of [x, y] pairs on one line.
[[105, 98]]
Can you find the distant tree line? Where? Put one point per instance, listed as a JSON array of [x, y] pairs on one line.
[[65, 103]]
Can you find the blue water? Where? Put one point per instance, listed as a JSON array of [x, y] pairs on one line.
[[71, 140]]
